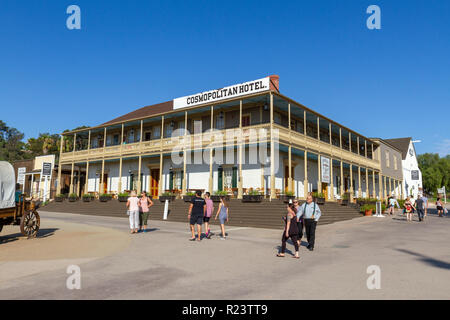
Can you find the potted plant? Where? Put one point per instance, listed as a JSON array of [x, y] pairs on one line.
[[188, 196], [252, 196], [73, 197], [288, 196], [167, 196], [87, 197], [104, 197], [319, 198], [345, 198], [59, 198], [367, 209], [122, 197], [217, 194]]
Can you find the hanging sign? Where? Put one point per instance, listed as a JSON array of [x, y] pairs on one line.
[[325, 169]]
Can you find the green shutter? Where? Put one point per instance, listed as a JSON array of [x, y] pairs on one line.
[[234, 178], [220, 177], [171, 180], [182, 178], [131, 181]]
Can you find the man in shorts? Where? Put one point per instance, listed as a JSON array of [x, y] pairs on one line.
[[196, 213]]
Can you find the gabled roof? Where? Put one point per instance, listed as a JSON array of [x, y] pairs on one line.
[[402, 144], [144, 112]]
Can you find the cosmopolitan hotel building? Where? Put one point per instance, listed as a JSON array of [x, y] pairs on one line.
[[306, 151]]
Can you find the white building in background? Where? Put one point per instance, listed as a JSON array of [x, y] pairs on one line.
[[412, 176]]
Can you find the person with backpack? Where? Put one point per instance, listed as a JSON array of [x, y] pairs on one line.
[[311, 214], [144, 204], [290, 231]]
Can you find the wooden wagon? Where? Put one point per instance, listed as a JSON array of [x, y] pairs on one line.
[[22, 212]]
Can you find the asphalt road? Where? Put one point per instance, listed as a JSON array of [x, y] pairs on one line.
[[414, 261]]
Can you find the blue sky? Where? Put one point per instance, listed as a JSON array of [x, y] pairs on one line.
[[387, 83]]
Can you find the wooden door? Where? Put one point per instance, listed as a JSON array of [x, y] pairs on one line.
[[154, 182], [325, 190], [105, 183]]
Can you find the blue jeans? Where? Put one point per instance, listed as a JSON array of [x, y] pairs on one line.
[[420, 213]]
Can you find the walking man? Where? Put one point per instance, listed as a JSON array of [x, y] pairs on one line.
[[197, 210], [311, 214], [425, 203], [420, 205]]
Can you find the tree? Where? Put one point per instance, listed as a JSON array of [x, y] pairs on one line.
[[435, 171], [11, 146]]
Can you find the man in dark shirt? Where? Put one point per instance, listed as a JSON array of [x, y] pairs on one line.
[[196, 213], [420, 207]]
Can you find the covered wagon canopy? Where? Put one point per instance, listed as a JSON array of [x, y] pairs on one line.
[[7, 185]]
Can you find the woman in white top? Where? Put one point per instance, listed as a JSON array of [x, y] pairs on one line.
[[133, 210]]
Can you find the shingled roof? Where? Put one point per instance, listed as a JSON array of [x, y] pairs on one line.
[[400, 143], [144, 112]]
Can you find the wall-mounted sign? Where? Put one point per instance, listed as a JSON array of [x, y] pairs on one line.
[[325, 169], [46, 169], [21, 175], [414, 174], [233, 91]]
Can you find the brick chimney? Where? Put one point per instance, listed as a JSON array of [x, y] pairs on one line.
[[275, 83]]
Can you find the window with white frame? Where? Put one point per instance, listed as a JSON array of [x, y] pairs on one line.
[[228, 177], [387, 159]]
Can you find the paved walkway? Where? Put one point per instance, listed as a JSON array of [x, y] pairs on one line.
[[414, 259]]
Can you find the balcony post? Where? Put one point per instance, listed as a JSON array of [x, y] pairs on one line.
[[290, 189], [390, 186], [86, 184], [357, 146], [380, 186], [240, 152], [139, 186], [340, 138], [359, 183], [384, 189], [161, 160], [71, 179], [183, 191], [304, 122], [374, 192], [61, 146], [341, 185], [305, 182], [102, 185], [331, 179], [319, 174], [329, 131], [350, 141], [119, 185], [351, 182], [318, 128], [73, 159], [210, 180], [365, 148], [367, 183], [272, 153]]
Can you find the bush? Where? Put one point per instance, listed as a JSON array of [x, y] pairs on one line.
[[220, 193], [106, 195], [123, 194], [318, 195], [73, 195], [289, 193], [254, 193], [190, 194], [168, 194], [87, 195]]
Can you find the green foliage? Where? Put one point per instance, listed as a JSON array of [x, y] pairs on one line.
[[254, 193], [318, 195], [435, 172], [168, 194], [123, 194], [289, 193], [73, 195], [220, 193], [106, 195], [11, 146], [87, 195], [190, 194]]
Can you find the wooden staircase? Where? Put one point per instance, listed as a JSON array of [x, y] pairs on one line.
[[267, 214]]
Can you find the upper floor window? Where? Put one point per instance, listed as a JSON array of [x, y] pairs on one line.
[[395, 162], [157, 132], [387, 159], [220, 121]]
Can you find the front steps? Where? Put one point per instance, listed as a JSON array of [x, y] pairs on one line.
[[267, 214]]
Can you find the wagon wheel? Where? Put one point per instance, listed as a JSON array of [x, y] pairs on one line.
[[29, 223]]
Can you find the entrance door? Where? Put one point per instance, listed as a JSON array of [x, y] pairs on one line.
[[154, 182]]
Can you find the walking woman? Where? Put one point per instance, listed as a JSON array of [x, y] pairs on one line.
[[223, 214], [409, 209], [290, 231], [299, 221], [133, 211], [439, 207], [144, 204]]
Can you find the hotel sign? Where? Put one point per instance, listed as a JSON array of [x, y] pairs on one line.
[[325, 169], [233, 91]]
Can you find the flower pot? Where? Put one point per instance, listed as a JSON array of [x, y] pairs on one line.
[[368, 213], [59, 199], [72, 199], [188, 198], [87, 199], [216, 198], [286, 199], [320, 201], [344, 202], [164, 198], [123, 198], [104, 199], [252, 198]]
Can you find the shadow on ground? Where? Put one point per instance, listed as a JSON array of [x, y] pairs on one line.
[[428, 260], [42, 233]]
